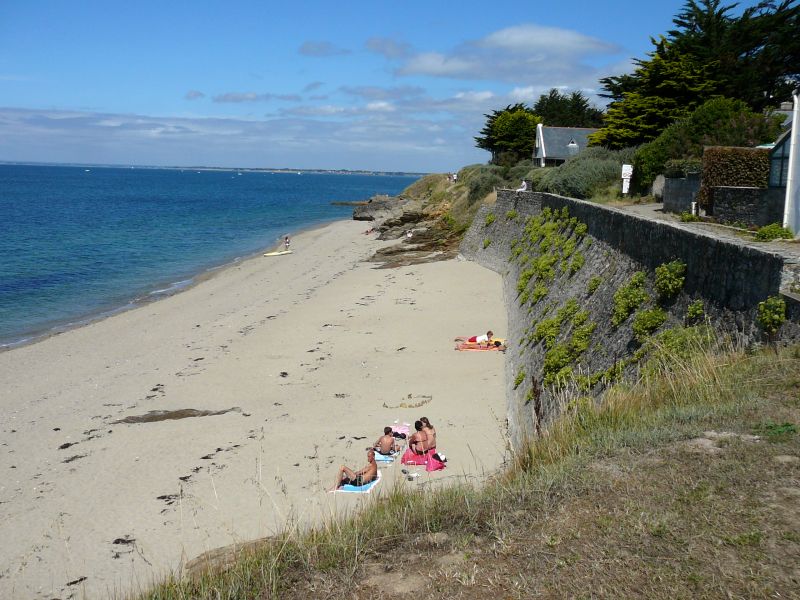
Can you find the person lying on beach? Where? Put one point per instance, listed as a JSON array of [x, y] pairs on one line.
[[346, 476], [478, 339], [385, 444], [418, 440]]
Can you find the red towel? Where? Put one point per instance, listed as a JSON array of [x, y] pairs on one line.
[[411, 458], [434, 464]]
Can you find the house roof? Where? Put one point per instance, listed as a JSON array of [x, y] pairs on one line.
[[561, 142]]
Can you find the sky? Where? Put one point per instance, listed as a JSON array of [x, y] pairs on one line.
[[386, 86]]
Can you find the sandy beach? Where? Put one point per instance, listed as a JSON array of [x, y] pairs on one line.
[[303, 358]]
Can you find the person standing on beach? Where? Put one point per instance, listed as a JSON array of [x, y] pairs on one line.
[[286, 241]]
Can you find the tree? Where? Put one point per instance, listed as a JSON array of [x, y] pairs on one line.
[[509, 134], [754, 57], [668, 87], [561, 110]]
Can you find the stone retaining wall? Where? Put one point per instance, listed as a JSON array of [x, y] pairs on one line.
[[731, 280]]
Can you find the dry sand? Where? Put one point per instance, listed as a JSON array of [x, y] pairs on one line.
[[312, 354]]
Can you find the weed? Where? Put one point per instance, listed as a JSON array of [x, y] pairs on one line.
[[669, 279], [489, 219], [695, 311], [486, 243], [647, 321], [594, 283], [628, 298], [771, 314], [776, 432], [773, 231]]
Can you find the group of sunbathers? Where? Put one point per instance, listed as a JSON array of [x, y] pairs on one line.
[[421, 444]]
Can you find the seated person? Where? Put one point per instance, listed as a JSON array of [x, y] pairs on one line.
[[418, 441], [347, 476], [385, 444], [430, 432]]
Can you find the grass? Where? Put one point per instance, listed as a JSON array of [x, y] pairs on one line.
[[614, 500]]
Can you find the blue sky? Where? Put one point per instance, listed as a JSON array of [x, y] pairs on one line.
[[378, 85]]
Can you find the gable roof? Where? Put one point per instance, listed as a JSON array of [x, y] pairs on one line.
[[561, 142]]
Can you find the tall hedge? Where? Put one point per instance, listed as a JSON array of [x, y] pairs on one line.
[[735, 167]]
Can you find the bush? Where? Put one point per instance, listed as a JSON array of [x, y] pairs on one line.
[[628, 298], [683, 167], [594, 283], [695, 311], [746, 167], [670, 279], [481, 180], [519, 378], [647, 321], [718, 122], [773, 231], [512, 215], [582, 176], [771, 314], [486, 243], [489, 219], [687, 217]]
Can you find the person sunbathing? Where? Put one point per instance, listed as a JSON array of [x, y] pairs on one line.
[[386, 444], [477, 339], [418, 440], [347, 476], [430, 433]]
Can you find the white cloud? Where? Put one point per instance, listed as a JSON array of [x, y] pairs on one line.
[[380, 106], [522, 54]]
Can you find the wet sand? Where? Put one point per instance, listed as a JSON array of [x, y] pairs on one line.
[[211, 417]]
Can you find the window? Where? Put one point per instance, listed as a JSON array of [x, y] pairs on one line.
[[779, 163]]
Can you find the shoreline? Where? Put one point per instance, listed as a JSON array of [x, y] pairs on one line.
[[152, 296], [291, 365]]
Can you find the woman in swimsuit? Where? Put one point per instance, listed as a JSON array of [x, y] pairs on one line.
[[430, 432], [418, 441]]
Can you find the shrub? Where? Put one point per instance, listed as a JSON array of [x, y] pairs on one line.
[[489, 219], [586, 174], [682, 167], [594, 283], [512, 215], [748, 167], [687, 217], [519, 378], [773, 231], [486, 243], [771, 314], [628, 298], [482, 181], [647, 321], [718, 122], [695, 311], [669, 279], [539, 292], [577, 262]]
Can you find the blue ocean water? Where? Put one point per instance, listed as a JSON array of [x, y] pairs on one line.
[[80, 242]]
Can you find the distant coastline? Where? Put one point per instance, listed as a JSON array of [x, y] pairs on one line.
[[206, 168]]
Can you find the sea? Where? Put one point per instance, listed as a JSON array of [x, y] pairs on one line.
[[81, 243]]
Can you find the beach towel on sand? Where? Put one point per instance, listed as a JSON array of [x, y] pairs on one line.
[[434, 464], [361, 489], [428, 459], [383, 458], [412, 458], [467, 346]]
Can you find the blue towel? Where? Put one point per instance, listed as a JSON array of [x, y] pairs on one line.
[[382, 458], [361, 489]]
